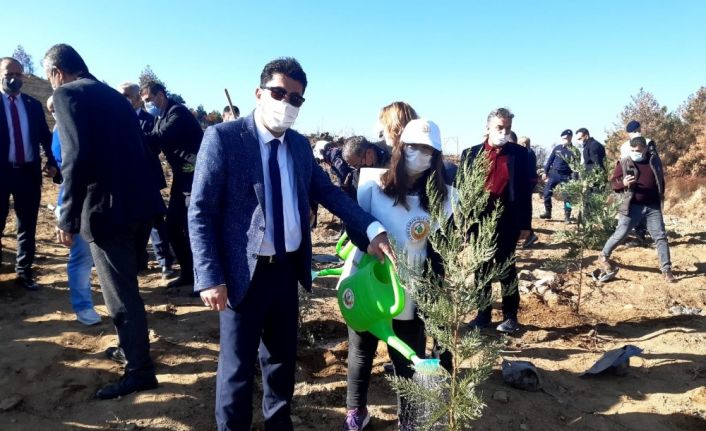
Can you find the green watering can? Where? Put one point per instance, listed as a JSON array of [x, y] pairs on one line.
[[343, 250], [370, 298]]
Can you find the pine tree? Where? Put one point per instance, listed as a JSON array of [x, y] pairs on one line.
[[589, 194], [25, 59], [147, 75], [466, 243]]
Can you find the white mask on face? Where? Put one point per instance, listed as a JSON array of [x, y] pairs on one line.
[[498, 138], [278, 115], [416, 161], [637, 157]]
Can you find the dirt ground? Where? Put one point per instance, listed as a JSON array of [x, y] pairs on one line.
[[50, 365]]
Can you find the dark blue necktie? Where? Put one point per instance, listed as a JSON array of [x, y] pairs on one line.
[[277, 210]]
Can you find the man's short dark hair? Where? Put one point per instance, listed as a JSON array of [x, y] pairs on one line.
[[236, 111], [355, 146], [11, 60], [64, 57], [584, 131], [635, 142], [288, 66], [154, 87]]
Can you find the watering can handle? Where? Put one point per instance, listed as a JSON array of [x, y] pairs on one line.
[[340, 242], [397, 289]]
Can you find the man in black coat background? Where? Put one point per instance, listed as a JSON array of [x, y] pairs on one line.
[[159, 234], [23, 129], [178, 134], [110, 197]]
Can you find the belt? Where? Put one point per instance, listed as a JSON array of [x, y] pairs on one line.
[[269, 260]]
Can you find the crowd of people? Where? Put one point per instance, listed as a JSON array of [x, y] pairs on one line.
[[238, 218]]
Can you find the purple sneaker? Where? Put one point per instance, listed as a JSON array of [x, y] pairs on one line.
[[356, 419]]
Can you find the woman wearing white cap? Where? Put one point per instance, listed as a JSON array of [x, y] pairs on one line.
[[398, 199]]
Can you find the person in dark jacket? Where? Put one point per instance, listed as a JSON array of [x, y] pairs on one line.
[[593, 155], [159, 235], [178, 135], [101, 141], [557, 171], [509, 183], [23, 129], [534, 179], [640, 177]]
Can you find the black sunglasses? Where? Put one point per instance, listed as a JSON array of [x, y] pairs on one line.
[[279, 93]]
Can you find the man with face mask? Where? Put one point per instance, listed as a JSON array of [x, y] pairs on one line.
[[509, 182], [110, 198], [592, 151], [634, 130], [249, 224], [178, 135], [640, 177], [556, 171], [158, 235], [23, 129]]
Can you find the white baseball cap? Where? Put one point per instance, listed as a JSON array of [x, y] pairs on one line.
[[423, 132]]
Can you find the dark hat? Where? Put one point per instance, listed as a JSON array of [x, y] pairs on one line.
[[632, 126], [567, 132]]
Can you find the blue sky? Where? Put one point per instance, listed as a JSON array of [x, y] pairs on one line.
[[556, 64]]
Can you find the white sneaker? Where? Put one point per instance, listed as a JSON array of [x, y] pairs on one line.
[[88, 317]]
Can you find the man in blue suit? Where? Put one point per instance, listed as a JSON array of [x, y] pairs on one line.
[[249, 227]]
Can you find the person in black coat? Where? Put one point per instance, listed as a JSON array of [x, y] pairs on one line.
[[110, 198], [178, 135], [593, 151], [509, 182], [23, 129], [159, 234]]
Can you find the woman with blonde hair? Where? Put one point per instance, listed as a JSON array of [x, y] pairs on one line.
[[393, 118]]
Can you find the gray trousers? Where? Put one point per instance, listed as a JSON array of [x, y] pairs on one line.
[[116, 259], [655, 225]]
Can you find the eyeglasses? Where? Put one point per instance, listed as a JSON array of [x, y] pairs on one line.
[[279, 93]]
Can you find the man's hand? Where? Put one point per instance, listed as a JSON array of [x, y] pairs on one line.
[[544, 176], [380, 247], [65, 238], [50, 171], [629, 180], [524, 234], [215, 298]]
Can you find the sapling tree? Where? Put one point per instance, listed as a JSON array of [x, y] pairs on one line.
[[466, 243], [589, 194]]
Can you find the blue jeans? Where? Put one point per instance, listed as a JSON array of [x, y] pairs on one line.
[[655, 225], [160, 243], [79, 273]]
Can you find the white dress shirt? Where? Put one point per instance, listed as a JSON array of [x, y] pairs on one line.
[[24, 125], [292, 222]]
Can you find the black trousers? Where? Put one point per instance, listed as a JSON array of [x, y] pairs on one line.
[[24, 183], [508, 234], [177, 229], [264, 325], [116, 260], [361, 352]]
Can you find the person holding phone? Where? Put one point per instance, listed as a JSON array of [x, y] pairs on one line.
[[640, 178]]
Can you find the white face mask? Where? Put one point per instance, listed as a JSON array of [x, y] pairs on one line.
[[416, 161], [278, 115], [637, 157], [152, 109], [498, 138]]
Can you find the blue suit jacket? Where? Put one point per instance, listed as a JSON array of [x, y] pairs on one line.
[[227, 208]]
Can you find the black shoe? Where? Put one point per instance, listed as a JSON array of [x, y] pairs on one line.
[[546, 215], [27, 281], [129, 383], [116, 354], [182, 280]]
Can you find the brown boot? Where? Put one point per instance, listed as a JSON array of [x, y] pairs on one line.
[[669, 277]]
